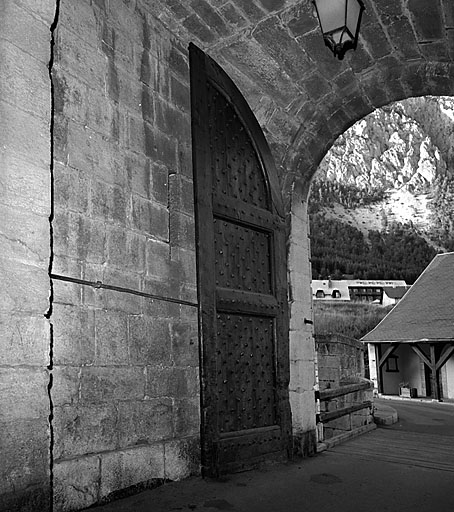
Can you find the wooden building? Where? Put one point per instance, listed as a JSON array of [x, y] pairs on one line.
[[413, 345]]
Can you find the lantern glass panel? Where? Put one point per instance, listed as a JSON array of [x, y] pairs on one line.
[[331, 15], [353, 13]]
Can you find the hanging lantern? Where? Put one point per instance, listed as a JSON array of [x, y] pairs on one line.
[[339, 21]]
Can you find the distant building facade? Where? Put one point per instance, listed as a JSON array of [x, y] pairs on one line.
[[378, 292]]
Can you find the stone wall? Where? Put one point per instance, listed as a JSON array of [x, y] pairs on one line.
[[25, 112], [340, 362], [125, 364], [339, 359]]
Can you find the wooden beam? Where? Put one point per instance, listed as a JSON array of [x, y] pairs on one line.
[[421, 354], [387, 353], [379, 368], [434, 373], [444, 356], [338, 413], [328, 394]]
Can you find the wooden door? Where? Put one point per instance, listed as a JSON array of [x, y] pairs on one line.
[[242, 279]]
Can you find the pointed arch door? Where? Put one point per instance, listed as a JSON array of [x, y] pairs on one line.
[[242, 279]]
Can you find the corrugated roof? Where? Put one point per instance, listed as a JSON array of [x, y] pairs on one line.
[[426, 312]]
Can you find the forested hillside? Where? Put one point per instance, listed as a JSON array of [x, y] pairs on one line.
[[382, 202]]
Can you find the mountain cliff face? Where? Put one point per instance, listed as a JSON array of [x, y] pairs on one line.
[[389, 177]]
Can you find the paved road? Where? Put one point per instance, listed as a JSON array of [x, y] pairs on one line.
[[423, 417], [404, 468]]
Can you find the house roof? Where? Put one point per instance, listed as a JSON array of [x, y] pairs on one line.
[[426, 312]]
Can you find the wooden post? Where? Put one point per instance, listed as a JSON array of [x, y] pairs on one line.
[[434, 373], [379, 368]]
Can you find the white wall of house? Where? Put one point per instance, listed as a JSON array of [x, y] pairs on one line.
[[449, 369], [373, 370], [409, 370]]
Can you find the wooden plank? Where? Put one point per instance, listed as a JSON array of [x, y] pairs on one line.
[[434, 380], [327, 394], [338, 413], [445, 355], [228, 300], [387, 353], [204, 254], [421, 355], [228, 208]]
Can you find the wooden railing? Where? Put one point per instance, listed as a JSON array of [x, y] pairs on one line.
[[328, 394], [331, 431]]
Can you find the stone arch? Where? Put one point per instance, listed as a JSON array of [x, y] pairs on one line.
[[333, 117], [310, 145]]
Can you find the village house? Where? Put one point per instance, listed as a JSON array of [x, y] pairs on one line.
[[412, 347], [383, 292], [155, 164]]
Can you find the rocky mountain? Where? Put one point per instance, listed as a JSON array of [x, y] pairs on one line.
[[387, 184]]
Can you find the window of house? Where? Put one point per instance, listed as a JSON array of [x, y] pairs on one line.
[[336, 294], [391, 364], [320, 294]]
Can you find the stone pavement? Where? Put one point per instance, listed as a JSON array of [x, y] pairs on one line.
[[382, 470]]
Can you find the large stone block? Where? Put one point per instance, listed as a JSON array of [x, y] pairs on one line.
[[24, 339], [71, 189], [180, 94], [149, 340], [172, 382], [27, 32], [150, 218], [158, 259], [108, 202], [182, 230], [65, 385], [185, 345], [182, 458], [172, 121], [76, 483], [25, 288], [79, 237], [65, 292], [24, 81], [100, 384], [199, 29], [160, 183], [145, 421], [303, 411], [84, 429], [232, 15], [111, 338], [187, 417], [126, 249], [120, 301], [80, 58], [181, 194], [74, 335], [24, 445], [128, 468], [24, 185], [44, 9], [25, 134], [25, 236], [282, 46], [79, 17]]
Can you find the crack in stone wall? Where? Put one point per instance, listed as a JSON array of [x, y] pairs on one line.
[[48, 314]]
